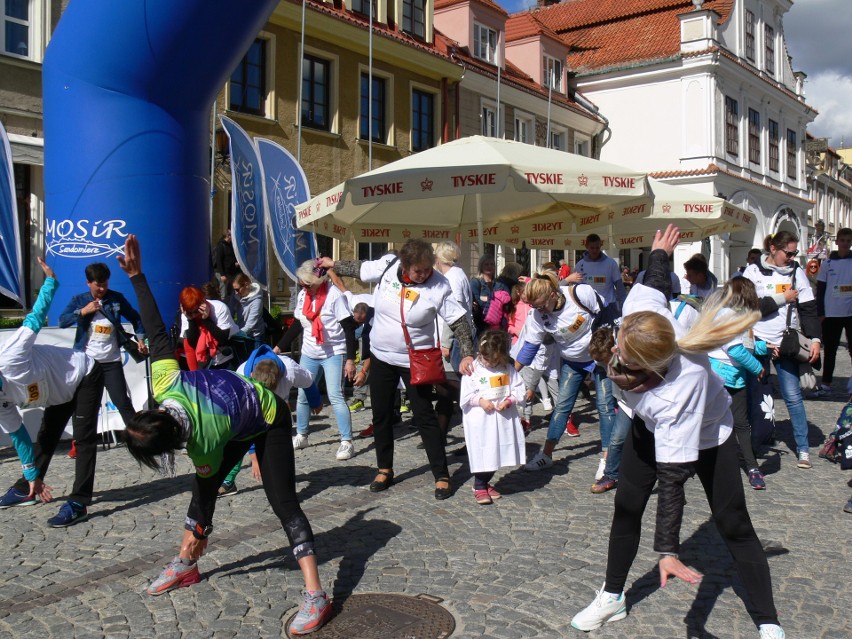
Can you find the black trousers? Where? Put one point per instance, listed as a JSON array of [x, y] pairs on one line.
[[275, 455], [832, 327], [82, 410], [742, 426], [116, 386], [384, 378], [719, 473]]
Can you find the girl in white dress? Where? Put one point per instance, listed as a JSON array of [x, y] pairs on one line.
[[492, 425]]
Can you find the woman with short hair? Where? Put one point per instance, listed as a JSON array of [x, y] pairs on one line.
[[409, 288]]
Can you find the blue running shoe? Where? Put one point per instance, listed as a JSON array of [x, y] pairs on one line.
[[71, 513], [15, 497]]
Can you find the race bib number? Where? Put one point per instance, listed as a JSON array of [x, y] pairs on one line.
[[494, 387], [409, 298], [34, 396], [577, 325], [781, 288], [101, 332]]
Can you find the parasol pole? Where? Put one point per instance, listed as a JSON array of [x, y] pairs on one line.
[[479, 227]]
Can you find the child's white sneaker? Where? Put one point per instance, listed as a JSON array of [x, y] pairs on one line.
[[605, 608]]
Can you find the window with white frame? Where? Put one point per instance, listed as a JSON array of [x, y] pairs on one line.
[[316, 93], [363, 7], [769, 42], [558, 139], [552, 73], [21, 35], [484, 43], [792, 159], [488, 117], [524, 128], [732, 126], [582, 145], [774, 146], [753, 136]]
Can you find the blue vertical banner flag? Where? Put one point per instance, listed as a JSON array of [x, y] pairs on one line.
[[11, 268], [286, 186], [248, 211]]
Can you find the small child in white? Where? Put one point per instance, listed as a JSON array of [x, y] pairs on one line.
[[492, 426]]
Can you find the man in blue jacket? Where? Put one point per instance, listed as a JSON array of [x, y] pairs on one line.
[[97, 314]]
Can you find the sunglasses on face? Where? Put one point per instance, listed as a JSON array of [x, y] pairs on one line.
[[791, 254]]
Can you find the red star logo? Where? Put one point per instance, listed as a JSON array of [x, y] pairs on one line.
[[583, 180], [515, 229], [316, 207], [667, 208], [611, 215], [426, 185], [406, 234], [325, 226]]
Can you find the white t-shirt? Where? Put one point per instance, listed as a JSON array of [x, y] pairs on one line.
[[296, 376], [36, 376], [771, 282], [837, 275], [688, 412], [602, 275], [746, 339], [102, 345], [687, 315], [423, 304], [334, 309], [571, 326]]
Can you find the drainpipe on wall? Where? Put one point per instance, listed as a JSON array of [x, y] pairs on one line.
[[583, 102]]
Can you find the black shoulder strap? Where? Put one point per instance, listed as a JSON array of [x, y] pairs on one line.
[[580, 304]]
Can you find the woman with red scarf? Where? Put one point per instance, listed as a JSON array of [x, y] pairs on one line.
[[206, 327], [319, 309]]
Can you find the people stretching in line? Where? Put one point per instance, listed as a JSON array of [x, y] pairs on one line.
[[683, 426], [68, 384], [216, 415]]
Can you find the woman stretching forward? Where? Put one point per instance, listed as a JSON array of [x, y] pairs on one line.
[[687, 429], [217, 415]]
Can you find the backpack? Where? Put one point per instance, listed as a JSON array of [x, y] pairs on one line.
[[687, 300], [608, 318]]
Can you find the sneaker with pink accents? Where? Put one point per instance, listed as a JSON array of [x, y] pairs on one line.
[[492, 492]]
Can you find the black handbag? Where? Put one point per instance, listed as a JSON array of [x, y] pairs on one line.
[[794, 345]]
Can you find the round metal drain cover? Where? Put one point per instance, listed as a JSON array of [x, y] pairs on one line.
[[384, 616]]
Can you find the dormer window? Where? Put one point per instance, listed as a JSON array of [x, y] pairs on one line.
[[414, 17], [552, 73], [769, 37], [749, 35], [484, 43]]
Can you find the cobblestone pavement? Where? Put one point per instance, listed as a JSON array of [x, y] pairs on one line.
[[519, 568]]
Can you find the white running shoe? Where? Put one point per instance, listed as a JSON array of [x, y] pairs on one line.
[[546, 405], [599, 473], [539, 462], [300, 441], [346, 450], [771, 631], [605, 608]]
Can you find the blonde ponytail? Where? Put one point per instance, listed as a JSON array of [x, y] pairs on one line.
[[710, 330]]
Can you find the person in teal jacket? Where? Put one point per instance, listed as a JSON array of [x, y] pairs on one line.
[[734, 362], [217, 415]]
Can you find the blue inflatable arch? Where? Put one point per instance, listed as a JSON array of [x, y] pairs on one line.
[[128, 89]]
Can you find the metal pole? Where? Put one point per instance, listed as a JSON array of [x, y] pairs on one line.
[[370, 96], [301, 80], [549, 98]]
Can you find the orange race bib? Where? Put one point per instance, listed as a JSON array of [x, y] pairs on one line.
[[781, 288]]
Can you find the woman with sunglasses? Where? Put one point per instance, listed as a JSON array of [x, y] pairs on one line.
[[247, 306], [682, 426], [566, 314], [783, 290]]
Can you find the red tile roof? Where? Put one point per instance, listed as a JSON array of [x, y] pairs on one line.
[[614, 33], [526, 24]]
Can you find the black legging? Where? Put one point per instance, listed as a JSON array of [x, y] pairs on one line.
[[384, 378], [742, 426], [275, 455], [82, 410], [832, 327], [718, 470]]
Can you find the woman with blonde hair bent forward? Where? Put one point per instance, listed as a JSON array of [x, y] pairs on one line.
[[668, 383]]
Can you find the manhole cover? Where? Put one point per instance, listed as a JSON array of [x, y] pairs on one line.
[[383, 616]]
